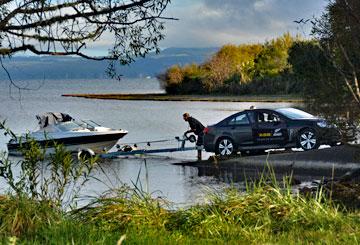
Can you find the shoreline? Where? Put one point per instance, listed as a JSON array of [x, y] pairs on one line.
[[195, 98]]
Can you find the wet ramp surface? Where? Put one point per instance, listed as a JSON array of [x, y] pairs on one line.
[[310, 165]]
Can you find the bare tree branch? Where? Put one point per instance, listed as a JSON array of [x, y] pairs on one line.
[[338, 34], [356, 93], [48, 27]]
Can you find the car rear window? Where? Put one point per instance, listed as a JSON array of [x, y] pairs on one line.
[[293, 113]]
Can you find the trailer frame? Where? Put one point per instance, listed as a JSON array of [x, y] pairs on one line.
[[180, 148]]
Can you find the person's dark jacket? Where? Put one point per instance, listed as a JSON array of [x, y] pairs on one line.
[[196, 126]]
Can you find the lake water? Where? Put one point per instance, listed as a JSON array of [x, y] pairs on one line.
[[145, 121]]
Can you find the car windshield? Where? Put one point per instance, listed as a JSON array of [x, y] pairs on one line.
[[293, 113]]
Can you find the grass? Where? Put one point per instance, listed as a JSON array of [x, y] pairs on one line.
[[21, 216], [267, 213]]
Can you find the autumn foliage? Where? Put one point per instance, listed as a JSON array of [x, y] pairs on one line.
[[234, 69]]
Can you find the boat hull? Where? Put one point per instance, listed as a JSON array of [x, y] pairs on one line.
[[97, 143]]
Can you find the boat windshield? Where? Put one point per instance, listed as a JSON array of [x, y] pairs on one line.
[[89, 124], [293, 113], [69, 126]]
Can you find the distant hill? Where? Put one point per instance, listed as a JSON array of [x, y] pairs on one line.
[[49, 67]]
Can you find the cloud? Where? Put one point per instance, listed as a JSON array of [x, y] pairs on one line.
[[263, 5], [217, 22]]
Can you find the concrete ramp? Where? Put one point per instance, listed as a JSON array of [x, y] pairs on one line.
[[309, 165]]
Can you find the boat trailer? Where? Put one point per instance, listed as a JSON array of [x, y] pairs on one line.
[[128, 150]]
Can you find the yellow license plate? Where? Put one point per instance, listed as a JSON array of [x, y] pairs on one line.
[[264, 134]]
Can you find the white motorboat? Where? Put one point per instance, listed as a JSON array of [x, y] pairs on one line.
[[78, 136]]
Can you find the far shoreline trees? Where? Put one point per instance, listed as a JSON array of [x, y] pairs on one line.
[[243, 69]]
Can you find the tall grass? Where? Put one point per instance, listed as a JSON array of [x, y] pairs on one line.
[[40, 189], [22, 216], [265, 213], [56, 179]]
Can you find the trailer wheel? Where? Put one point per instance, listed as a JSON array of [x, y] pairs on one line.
[[85, 154]]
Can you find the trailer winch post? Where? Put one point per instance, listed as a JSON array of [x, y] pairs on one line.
[[199, 156]]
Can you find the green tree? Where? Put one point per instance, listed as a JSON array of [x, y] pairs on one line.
[[338, 34], [240, 59], [272, 60], [183, 80], [322, 87]]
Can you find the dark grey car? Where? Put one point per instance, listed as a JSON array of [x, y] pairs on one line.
[[261, 129]]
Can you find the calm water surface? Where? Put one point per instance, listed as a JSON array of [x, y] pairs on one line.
[[145, 120]]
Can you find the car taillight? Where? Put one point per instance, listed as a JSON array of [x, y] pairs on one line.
[[206, 130]]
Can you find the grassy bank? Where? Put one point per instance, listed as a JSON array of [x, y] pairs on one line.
[[205, 98], [266, 214], [41, 209]]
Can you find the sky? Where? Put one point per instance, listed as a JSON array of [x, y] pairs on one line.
[[213, 23]]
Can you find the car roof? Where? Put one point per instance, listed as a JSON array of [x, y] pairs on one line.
[[268, 109], [261, 109]]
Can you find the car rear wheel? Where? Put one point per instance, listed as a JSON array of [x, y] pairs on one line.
[[225, 147], [308, 140]]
